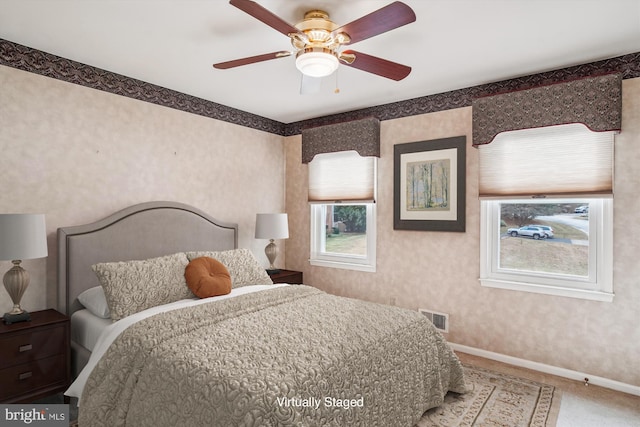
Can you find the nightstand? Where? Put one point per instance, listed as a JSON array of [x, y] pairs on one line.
[[34, 357], [287, 276]]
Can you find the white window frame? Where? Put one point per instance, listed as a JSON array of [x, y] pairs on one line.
[[346, 261], [599, 284]]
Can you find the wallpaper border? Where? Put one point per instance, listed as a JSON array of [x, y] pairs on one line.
[[627, 65], [35, 61]]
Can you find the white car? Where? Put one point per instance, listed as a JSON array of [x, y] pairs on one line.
[[547, 230], [528, 231]]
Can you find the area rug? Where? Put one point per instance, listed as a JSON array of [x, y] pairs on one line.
[[495, 399]]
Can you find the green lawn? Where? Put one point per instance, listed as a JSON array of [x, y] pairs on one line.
[[347, 243], [544, 256], [547, 256]]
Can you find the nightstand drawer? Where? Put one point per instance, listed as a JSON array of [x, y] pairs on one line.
[[30, 345], [31, 376]]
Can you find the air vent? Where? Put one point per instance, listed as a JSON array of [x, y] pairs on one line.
[[439, 320]]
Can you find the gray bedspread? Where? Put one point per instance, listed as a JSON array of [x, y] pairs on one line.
[[289, 356]]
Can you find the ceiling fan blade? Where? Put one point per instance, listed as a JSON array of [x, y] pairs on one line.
[[250, 60], [375, 65], [262, 14], [382, 20]]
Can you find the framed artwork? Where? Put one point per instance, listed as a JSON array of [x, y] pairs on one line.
[[429, 185]]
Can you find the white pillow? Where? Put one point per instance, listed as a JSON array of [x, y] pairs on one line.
[[93, 299]]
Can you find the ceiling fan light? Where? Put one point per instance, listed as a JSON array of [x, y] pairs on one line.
[[316, 64]]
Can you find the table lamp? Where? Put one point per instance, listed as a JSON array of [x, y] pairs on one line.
[[22, 236], [272, 226]]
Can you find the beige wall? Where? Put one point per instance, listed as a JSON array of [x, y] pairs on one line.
[[440, 270], [79, 154]]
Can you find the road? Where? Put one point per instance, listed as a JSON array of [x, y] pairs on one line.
[[574, 220]]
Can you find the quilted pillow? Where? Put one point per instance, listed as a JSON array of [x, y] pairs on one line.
[[133, 286], [207, 277], [243, 266]]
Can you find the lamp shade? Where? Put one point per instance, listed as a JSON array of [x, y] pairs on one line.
[[272, 226], [22, 236]]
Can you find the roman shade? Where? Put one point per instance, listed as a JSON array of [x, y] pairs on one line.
[[343, 176], [362, 136], [342, 161], [564, 160], [595, 102]]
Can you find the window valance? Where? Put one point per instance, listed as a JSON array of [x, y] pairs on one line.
[[362, 136], [595, 102]]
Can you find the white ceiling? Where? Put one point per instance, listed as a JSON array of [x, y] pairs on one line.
[[453, 44]]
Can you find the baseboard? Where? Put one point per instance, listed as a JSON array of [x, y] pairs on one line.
[[549, 369]]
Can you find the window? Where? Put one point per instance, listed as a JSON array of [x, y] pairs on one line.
[[557, 246], [342, 189], [547, 212], [343, 236]]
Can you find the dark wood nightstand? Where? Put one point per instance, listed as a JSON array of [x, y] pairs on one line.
[[34, 357], [287, 276]]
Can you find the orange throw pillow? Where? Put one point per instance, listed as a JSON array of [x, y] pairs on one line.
[[207, 277]]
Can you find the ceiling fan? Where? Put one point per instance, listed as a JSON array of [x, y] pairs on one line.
[[318, 41]]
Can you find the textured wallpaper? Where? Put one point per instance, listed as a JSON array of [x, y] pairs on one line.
[[78, 155], [440, 270]]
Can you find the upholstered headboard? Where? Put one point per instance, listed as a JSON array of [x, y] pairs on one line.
[[138, 232]]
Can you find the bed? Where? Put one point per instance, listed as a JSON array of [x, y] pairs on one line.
[[262, 355]]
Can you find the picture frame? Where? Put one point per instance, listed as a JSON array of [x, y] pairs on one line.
[[430, 185]]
